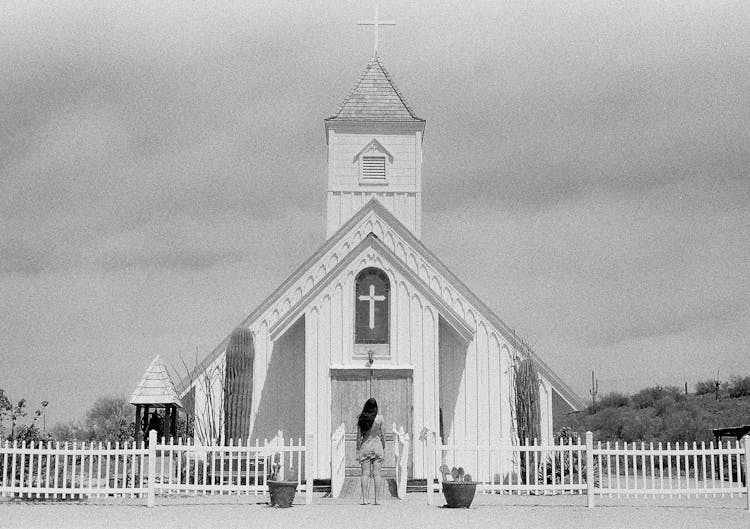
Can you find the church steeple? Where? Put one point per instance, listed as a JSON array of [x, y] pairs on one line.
[[375, 97], [375, 151]]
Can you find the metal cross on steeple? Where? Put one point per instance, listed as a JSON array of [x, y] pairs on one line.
[[377, 22]]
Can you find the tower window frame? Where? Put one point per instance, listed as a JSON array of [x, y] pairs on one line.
[[373, 167], [380, 347], [373, 163]]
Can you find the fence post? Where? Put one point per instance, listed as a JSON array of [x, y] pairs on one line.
[[310, 450], [428, 437], [590, 469], [746, 443], [151, 468]]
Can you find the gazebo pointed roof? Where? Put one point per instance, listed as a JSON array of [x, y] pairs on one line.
[[156, 386]]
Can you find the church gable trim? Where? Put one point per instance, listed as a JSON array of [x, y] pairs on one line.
[[374, 162], [371, 241], [376, 147]]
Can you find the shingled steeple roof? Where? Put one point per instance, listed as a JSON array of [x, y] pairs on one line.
[[375, 97]]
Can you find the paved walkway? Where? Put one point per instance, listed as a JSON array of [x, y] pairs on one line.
[[493, 511]]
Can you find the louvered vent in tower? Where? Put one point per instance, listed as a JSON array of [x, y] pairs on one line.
[[373, 167]]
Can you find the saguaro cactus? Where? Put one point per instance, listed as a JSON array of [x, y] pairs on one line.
[[238, 384], [527, 401]]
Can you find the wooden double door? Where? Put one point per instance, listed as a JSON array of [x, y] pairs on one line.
[[393, 391]]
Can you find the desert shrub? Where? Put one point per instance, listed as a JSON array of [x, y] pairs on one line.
[[109, 419], [32, 432], [739, 387], [686, 424], [16, 416], [647, 398], [614, 400], [565, 468], [705, 387], [638, 425]]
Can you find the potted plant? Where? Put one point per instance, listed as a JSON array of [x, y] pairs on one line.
[[281, 491], [458, 487]]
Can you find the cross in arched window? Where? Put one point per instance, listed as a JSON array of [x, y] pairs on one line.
[[372, 298]]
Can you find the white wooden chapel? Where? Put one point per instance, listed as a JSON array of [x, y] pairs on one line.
[[374, 313]]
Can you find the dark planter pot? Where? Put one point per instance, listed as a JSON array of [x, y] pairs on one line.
[[282, 492], [459, 493]]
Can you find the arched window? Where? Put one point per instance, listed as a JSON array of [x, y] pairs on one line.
[[372, 301]]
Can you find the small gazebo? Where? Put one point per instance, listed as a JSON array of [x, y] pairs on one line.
[[153, 393]]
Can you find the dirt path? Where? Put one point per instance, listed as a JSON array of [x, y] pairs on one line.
[[487, 511]]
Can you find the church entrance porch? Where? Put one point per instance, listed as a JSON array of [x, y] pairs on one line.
[[393, 391]]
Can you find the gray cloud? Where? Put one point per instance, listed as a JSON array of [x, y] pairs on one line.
[[162, 168]]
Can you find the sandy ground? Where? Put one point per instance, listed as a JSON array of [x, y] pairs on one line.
[[487, 511]]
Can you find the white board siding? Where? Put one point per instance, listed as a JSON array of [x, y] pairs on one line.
[[469, 384], [345, 203], [452, 400], [495, 388], [417, 333], [282, 402], [469, 398], [431, 376], [507, 393], [483, 383], [400, 192], [545, 408], [312, 414], [323, 391]]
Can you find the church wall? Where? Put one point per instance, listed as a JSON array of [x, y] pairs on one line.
[[482, 390], [452, 360], [400, 193], [329, 335], [342, 205], [343, 168], [545, 411], [281, 405]]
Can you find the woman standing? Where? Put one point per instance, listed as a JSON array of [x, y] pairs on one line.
[[370, 447]]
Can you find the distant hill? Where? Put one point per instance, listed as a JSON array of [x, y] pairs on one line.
[[659, 414]]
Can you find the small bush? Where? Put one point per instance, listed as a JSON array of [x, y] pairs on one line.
[[614, 400], [647, 398], [739, 387], [705, 387]]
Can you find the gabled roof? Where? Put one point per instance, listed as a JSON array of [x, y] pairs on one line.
[[373, 206], [156, 386], [375, 97], [374, 145], [371, 241], [508, 333]]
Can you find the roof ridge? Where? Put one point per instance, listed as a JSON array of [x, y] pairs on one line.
[[354, 88]]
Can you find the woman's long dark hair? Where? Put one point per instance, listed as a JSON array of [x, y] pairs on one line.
[[367, 417]]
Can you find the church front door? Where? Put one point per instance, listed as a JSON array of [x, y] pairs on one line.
[[393, 391]]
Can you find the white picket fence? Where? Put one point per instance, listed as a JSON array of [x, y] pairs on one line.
[[72, 471], [667, 470], [401, 453], [574, 467]]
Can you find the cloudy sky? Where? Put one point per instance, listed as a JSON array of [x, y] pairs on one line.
[[162, 170]]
